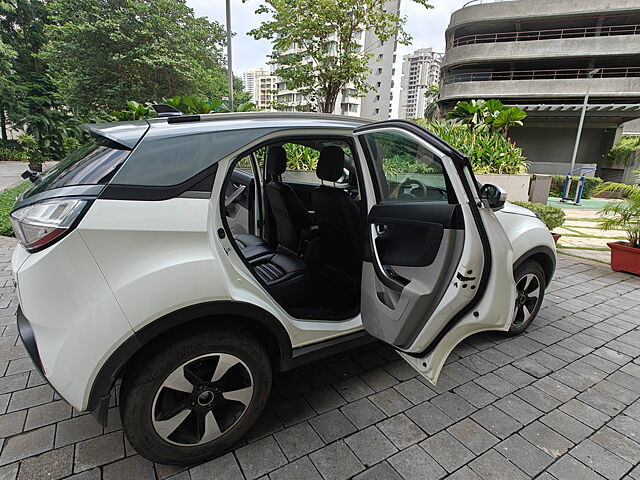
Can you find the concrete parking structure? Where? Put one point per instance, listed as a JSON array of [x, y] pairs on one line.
[[560, 401]]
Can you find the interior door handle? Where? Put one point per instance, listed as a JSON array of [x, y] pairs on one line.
[[380, 270], [236, 193]]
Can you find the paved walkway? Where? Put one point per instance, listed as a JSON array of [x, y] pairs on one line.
[[10, 173], [561, 401]]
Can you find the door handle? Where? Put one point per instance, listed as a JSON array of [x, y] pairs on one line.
[[380, 269], [236, 193]]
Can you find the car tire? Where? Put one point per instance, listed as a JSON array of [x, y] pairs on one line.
[[530, 285], [193, 398]]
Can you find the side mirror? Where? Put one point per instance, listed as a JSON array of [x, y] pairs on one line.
[[493, 196]]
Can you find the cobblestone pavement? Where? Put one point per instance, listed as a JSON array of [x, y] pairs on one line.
[[561, 401]]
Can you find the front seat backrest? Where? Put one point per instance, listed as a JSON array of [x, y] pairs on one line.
[[338, 215], [288, 213]]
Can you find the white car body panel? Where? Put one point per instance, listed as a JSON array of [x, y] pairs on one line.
[[128, 263], [77, 323], [526, 232]]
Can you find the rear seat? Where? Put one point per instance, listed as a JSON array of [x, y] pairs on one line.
[[287, 276], [252, 246]]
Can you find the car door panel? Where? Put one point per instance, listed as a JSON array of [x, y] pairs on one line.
[[430, 262], [239, 199]]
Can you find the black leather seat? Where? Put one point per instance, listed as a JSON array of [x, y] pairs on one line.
[[289, 215], [338, 216], [286, 276], [252, 246]]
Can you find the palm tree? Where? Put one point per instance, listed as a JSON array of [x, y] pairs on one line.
[[431, 110], [624, 214]]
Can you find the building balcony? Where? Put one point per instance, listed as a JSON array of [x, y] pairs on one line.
[[543, 49], [536, 85], [547, 34], [479, 12]]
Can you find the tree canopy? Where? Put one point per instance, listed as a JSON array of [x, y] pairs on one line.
[[316, 43], [105, 52]]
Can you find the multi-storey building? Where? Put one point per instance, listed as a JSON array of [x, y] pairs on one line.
[[543, 55], [375, 104], [420, 70], [262, 85]]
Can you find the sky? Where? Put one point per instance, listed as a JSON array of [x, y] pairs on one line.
[[425, 26]]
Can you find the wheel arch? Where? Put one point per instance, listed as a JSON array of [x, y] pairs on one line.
[[542, 255], [233, 315]]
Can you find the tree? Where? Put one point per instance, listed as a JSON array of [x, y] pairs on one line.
[[27, 90], [489, 115], [315, 43], [431, 110], [105, 52]]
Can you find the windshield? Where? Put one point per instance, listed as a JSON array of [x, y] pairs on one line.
[[94, 163]]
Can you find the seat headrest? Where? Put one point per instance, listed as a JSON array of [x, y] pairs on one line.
[[330, 164], [276, 160]]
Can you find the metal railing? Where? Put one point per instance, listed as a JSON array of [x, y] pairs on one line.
[[558, 74], [549, 34], [478, 2]]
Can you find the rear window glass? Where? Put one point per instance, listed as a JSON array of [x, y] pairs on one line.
[[94, 163]]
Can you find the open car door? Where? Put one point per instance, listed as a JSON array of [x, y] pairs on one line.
[[438, 266]]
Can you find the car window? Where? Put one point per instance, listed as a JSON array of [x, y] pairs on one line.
[[405, 170], [94, 163], [302, 161]]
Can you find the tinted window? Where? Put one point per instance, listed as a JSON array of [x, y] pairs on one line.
[[94, 163], [405, 170]]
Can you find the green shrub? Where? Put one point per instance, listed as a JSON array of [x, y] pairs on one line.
[[621, 151], [553, 217], [590, 187], [488, 152], [8, 154], [7, 200]]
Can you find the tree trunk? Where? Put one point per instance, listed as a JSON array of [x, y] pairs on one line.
[[330, 100], [3, 124]]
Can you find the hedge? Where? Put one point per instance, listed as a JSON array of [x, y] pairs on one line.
[[590, 186], [553, 217], [7, 200]]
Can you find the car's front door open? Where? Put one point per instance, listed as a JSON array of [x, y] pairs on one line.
[[437, 264]]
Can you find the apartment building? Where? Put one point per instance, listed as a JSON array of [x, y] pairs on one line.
[[262, 85], [420, 70]]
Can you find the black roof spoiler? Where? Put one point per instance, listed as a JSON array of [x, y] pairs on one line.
[[164, 110]]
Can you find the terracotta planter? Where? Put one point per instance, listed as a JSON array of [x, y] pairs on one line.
[[624, 258], [556, 237]]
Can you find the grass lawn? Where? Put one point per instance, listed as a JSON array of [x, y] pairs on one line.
[[7, 199]]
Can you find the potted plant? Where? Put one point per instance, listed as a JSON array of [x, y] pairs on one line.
[[623, 215], [552, 217], [29, 145]]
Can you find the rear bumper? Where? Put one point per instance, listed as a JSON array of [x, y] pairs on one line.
[[28, 339]]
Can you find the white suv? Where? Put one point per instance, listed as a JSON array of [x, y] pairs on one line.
[[182, 256]]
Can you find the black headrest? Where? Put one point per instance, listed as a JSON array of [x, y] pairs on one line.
[[276, 160], [330, 164]]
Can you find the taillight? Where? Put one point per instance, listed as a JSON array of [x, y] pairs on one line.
[[39, 225]]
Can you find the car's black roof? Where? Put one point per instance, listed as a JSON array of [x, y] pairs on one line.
[[129, 133]]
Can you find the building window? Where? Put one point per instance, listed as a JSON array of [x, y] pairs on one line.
[[379, 71], [377, 98], [376, 111], [378, 84]]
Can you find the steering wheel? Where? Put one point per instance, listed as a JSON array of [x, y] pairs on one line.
[[418, 189]]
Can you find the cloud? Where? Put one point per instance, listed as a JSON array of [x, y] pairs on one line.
[[247, 52]]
